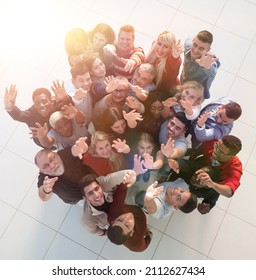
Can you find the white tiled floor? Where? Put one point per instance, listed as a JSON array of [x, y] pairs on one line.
[[32, 55]]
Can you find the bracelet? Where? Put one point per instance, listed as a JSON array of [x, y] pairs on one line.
[[46, 192]]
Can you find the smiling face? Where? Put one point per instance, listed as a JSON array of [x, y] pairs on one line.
[[83, 81], [192, 95], [175, 128], [94, 194], [198, 47], [221, 116], [103, 148], [98, 68], [50, 163], [43, 104], [221, 153], [125, 41], [177, 197], [162, 50]]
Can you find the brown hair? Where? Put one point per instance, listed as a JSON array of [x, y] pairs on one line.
[[233, 110], [205, 36]]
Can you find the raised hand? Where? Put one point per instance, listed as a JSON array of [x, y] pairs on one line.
[[59, 90], [153, 191], [174, 165], [204, 178], [177, 49], [69, 111], [202, 119], [132, 117], [203, 208], [167, 149], [111, 83], [138, 166], [129, 178], [80, 147], [10, 97], [110, 50], [207, 60], [48, 183], [130, 64], [121, 146], [80, 94], [132, 102], [148, 161], [39, 131], [139, 91], [169, 102]]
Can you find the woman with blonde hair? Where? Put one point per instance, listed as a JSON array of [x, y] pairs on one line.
[[103, 156], [188, 99], [165, 56]]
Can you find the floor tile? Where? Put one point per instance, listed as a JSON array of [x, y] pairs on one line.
[[63, 248], [171, 249], [195, 230], [243, 199], [31, 242], [234, 241], [72, 229], [7, 213]]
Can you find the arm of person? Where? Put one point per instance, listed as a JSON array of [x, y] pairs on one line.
[[45, 190], [149, 200]]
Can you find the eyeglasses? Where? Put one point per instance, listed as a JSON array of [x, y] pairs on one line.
[[218, 151], [121, 91]]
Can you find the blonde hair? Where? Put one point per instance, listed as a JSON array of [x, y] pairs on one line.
[[167, 38], [115, 159], [195, 85]]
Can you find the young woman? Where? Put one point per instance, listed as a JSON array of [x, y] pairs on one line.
[[103, 156], [165, 56], [188, 99]]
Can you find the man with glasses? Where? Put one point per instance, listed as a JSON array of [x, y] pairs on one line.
[[119, 98], [221, 155], [215, 121]]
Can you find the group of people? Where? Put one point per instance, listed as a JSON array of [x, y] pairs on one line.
[[127, 135]]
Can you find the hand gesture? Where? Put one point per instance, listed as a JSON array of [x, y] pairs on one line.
[[138, 166], [130, 64], [121, 146], [59, 90], [132, 117], [174, 165], [202, 119], [129, 178], [69, 111], [80, 94], [139, 91], [148, 161], [10, 97], [48, 183], [80, 147], [177, 49], [111, 83], [187, 104], [167, 149], [39, 131], [206, 60], [169, 102], [153, 191], [110, 50], [132, 102], [204, 178], [203, 208]]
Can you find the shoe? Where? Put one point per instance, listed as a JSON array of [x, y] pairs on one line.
[[139, 198]]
